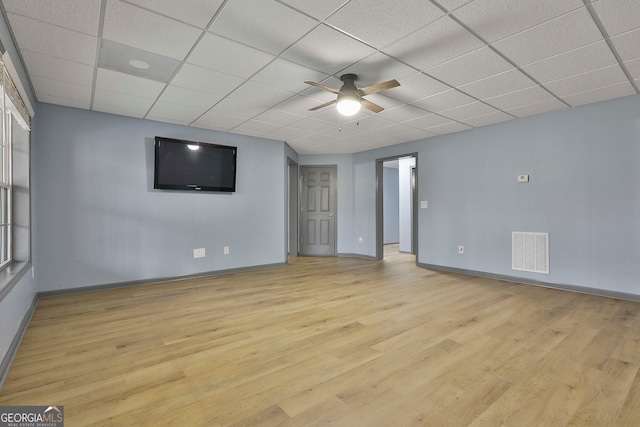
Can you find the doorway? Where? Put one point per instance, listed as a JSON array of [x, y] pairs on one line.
[[396, 205], [318, 200]]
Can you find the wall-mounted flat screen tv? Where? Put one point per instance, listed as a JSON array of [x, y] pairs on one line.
[[194, 166]]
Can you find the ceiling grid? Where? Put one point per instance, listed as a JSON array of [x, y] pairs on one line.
[[240, 65]]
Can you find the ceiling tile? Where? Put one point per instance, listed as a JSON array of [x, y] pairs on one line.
[[218, 121], [416, 135], [372, 122], [131, 85], [618, 16], [584, 82], [496, 19], [189, 97], [346, 130], [444, 101], [58, 69], [449, 128], [416, 87], [488, 119], [468, 111], [403, 113], [537, 108], [633, 67], [287, 76], [327, 50], [259, 94], [52, 40], [121, 103], [434, 44], [470, 67], [498, 84], [312, 125], [162, 110], [202, 79], [628, 45], [519, 98], [394, 130], [559, 35], [136, 27], [576, 61], [55, 88], [257, 127], [451, 5], [77, 15], [600, 94], [265, 25], [426, 122], [199, 12], [237, 108], [227, 56], [46, 99], [288, 133], [298, 105], [379, 23], [314, 139], [278, 117], [118, 57], [379, 68], [320, 10]]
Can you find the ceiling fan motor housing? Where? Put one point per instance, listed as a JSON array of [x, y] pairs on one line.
[[349, 83]]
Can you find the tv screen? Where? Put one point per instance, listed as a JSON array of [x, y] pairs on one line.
[[194, 166]]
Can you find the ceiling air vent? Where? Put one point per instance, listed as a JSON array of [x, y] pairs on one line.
[[530, 252]]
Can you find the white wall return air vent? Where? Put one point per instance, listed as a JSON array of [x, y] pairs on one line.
[[530, 251]]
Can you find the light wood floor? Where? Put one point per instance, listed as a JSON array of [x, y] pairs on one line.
[[337, 341]]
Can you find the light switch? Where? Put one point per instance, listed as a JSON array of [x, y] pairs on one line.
[[423, 204]]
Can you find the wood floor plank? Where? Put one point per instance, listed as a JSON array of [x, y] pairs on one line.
[[333, 341]]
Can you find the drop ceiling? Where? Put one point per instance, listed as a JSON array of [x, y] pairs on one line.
[[239, 66]]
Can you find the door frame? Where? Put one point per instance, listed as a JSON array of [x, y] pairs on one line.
[[291, 235], [413, 172], [380, 204], [335, 204]]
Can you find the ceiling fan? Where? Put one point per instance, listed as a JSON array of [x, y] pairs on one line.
[[350, 98]]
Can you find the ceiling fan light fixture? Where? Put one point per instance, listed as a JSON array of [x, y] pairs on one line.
[[348, 105]]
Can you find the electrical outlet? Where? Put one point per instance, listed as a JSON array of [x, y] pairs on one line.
[[360, 240], [226, 250], [460, 249]]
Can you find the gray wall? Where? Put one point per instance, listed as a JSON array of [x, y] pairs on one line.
[[391, 206], [583, 190], [100, 221]]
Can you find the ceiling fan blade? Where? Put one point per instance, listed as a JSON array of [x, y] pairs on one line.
[[323, 105], [371, 106], [328, 89], [378, 87]]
